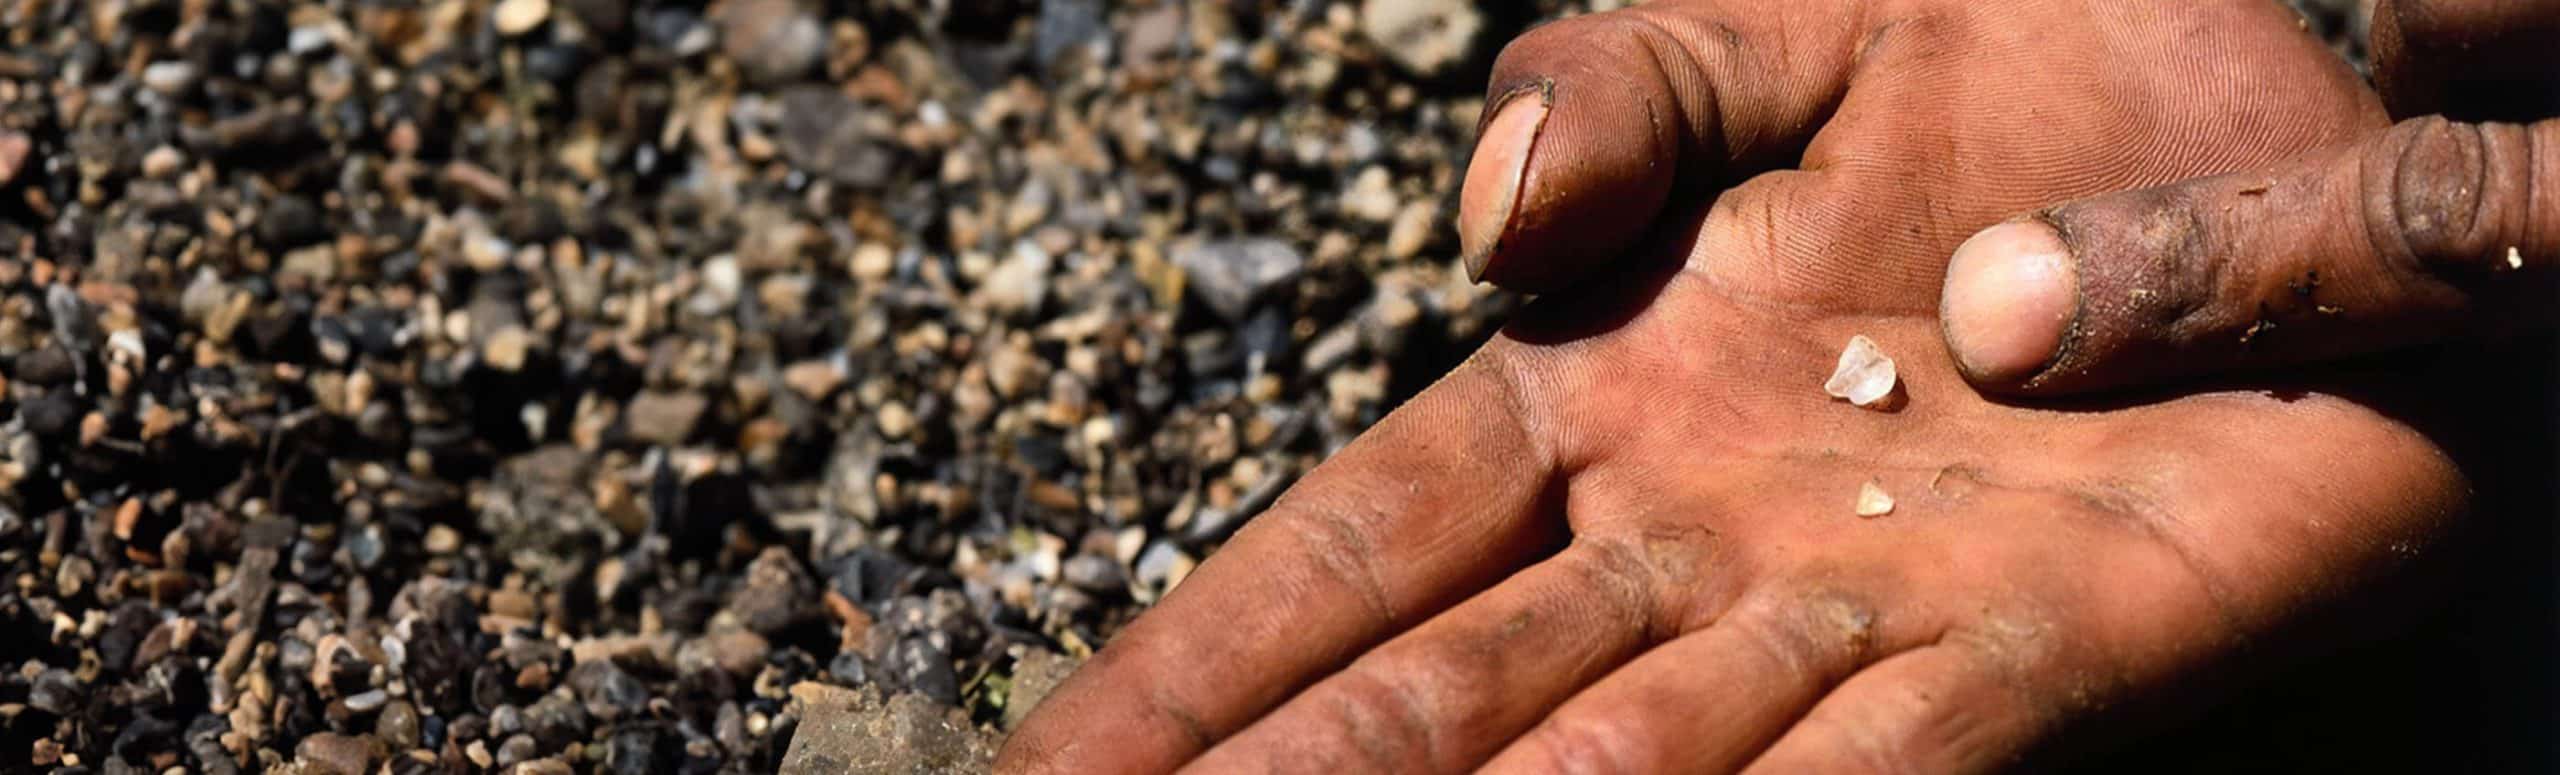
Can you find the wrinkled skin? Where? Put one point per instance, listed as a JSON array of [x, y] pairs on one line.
[[1620, 537]]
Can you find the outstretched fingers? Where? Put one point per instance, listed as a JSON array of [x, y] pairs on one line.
[[1445, 696], [1709, 700], [1948, 707], [1440, 500]]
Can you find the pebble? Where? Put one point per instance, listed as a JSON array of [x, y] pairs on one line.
[[163, 162], [1231, 275], [1426, 37], [397, 725], [14, 147], [170, 79], [773, 41], [1020, 283], [845, 730], [329, 753], [664, 418], [514, 18]]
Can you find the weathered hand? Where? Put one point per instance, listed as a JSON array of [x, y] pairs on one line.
[[1620, 538]]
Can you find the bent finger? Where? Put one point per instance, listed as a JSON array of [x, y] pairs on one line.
[[1594, 121], [2426, 228], [2474, 60]]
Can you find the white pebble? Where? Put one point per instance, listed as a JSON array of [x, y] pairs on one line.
[[1864, 376], [517, 17], [1873, 501]]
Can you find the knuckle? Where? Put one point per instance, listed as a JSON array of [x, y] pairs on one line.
[[2425, 192], [1339, 549], [1381, 709], [1626, 577], [1860, 744], [1828, 621]]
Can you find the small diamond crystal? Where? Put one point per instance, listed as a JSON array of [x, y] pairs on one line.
[[1865, 376], [1872, 500]]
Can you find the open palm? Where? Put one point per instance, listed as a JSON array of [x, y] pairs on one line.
[[1621, 537]]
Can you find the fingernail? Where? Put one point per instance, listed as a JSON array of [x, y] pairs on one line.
[[2009, 296], [1492, 189]]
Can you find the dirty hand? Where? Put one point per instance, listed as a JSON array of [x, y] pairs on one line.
[[1622, 537], [2409, 233]]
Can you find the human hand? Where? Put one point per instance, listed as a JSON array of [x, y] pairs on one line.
[[2430, 227], [1620, 537]]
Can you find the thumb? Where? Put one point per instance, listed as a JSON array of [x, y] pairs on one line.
[[2427, 227], [1594, 121]]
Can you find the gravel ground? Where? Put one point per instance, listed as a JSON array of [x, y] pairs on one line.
[[660, 386]]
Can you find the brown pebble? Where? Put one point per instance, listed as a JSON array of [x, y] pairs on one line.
[[535, 677], [335, 754]]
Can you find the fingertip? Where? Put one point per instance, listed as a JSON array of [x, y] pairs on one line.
[[1491, 193], [2010, 295]]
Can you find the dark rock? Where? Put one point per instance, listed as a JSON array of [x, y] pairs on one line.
[[397, 725], [829, 135], [49, 366], [917, 665], [843, 730], [1231, 275], [55, 691]]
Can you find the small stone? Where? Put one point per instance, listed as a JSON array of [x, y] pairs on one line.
[[398, 724], [874, 261], [896, 421], [163, 162], [170, 79], [1873, 501], [737, 652], [367, 701], [1864, 377], [665, 418], [847, 730], [443, 539], [14, 146], [507, 349], [517, 17], [1231, 275], [813, 379], [1021, 283], [511, 603], [336, 754], [1412, 229], [774, 41], [1372, 196], [829, 134], [1426, 37]]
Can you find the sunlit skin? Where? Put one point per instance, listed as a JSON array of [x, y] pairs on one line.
[[1621, 537]]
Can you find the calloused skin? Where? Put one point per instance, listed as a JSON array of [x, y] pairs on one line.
[[1620, 537]]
